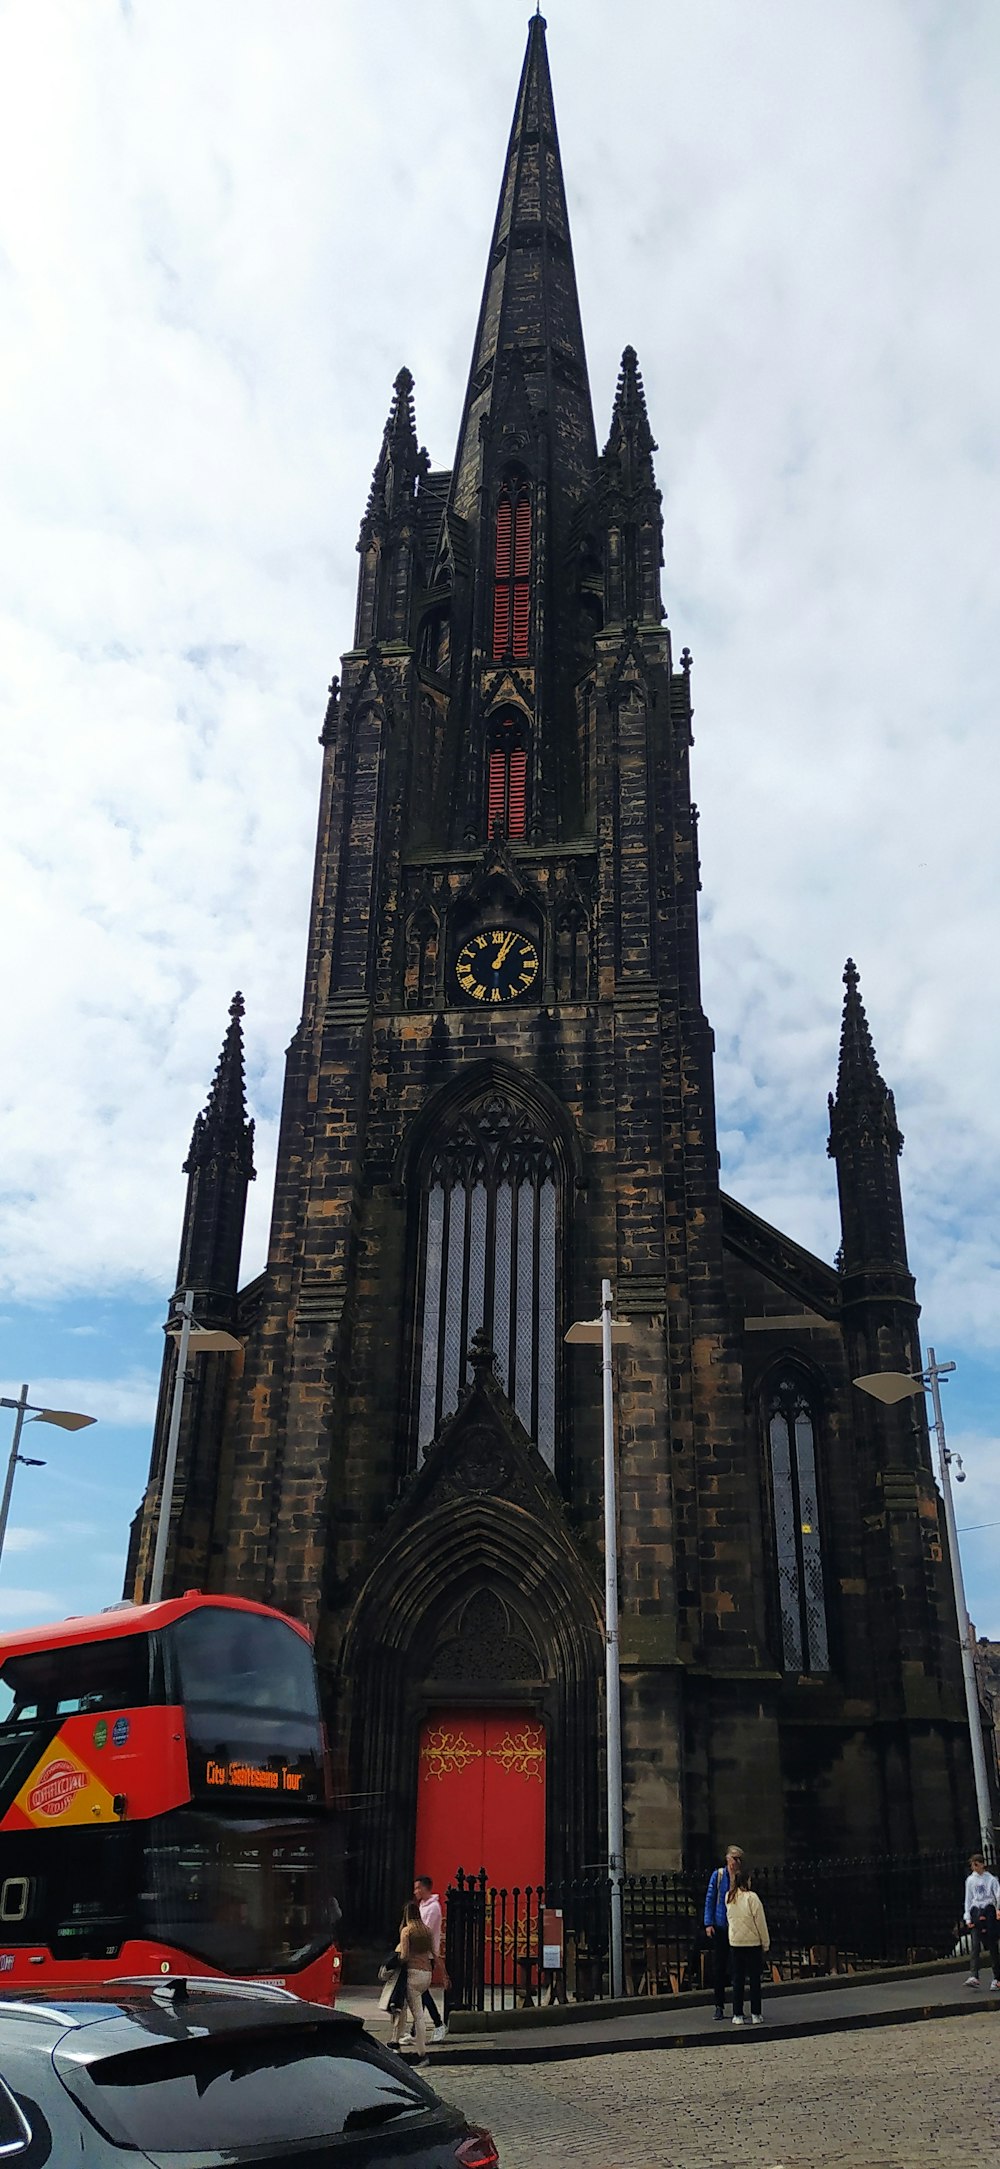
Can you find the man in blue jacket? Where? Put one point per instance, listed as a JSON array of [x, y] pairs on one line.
[[717, 1925]]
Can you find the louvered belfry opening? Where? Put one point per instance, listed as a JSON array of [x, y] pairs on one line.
[[512, 574], [507, 777], [489, 1244]]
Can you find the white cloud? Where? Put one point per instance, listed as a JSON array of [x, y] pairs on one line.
[[222, 231], [112, 1401]]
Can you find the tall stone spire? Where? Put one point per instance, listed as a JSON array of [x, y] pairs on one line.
[[219, 1168], [630, 506], [865, 1141], [222, 1132], [385, 543], [862, 1100], [529, 342]]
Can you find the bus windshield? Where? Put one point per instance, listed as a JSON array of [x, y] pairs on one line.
[[248, 1688]]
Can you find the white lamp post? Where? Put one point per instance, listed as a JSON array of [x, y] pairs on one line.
[[65, 1419], [203, 1340], [889, 1387], [590, 1331]]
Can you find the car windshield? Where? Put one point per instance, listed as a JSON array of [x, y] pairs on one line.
[[258, 2091]]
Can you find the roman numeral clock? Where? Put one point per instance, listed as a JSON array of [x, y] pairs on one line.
[[498, 966]]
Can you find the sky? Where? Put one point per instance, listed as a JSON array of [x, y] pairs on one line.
[[223, 229]]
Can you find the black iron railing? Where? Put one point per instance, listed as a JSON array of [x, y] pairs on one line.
[[508, 1947]]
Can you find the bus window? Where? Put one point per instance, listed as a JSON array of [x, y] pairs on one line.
[[246, 1680], [244, 1896], [46, 1684]]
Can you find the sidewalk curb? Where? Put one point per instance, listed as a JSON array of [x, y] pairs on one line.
[[480, 2025], [484, 2050]]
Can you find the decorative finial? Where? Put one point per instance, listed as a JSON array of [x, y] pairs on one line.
[[852, 977], [236, 1008], [482, 1356]]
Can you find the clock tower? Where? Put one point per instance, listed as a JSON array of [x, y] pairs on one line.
[[500, 1091]]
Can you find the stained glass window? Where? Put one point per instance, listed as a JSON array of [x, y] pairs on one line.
[[795, 1508], [489, 1239]]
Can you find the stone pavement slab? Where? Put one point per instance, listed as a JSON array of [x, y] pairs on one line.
[[921, 2097]]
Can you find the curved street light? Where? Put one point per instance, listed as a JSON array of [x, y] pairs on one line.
[[191, 1340], [890, 1387], [65, 1419]]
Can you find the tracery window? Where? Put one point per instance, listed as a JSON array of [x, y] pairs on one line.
[[490, 1212], [512, 573], [791, 1434], [507, 777]]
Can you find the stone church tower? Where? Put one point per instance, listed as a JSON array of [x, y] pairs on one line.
[[500, 1089]]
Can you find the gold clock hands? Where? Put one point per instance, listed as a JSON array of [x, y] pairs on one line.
[[502, 951]]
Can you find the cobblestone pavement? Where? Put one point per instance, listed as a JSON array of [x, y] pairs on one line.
[[906, 2097]]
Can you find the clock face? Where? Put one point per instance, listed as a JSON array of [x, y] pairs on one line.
[[497, 967]]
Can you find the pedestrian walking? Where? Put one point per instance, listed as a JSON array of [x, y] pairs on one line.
[[748, 1941], [427, 1899], [717, 1924], [981, 1909], [415, 1950]]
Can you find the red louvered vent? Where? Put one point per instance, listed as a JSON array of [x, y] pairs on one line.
[[498, 789], [501, 622], [502, 568], [522, 538], [522, 615], [517, 792]]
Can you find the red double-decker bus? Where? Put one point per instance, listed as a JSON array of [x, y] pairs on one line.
[[165, 1799]]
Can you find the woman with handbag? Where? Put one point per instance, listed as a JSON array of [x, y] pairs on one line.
[[982, 1915], [415, 1951]]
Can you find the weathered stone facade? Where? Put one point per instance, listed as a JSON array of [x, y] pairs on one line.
[[506, 754]]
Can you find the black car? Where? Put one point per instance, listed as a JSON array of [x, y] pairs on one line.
[[195, 2074]]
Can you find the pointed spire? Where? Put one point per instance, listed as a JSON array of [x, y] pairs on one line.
[[631, 444], [400, 463], [862, 1100], [530, 314], [222, 1132]]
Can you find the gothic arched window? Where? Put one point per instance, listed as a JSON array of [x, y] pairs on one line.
[[507, 777], [489, 1234], [512, 573], [791, 1436]]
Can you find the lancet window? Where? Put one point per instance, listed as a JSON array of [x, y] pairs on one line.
[[791, 1435], [489, 1243], [512, 574], [507, 777]]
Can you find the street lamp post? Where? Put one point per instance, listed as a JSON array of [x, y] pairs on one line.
[[889, 1387], [202, 1340], [65, 1419], [606, 1331]]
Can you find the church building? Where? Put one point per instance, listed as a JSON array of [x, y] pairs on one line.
[[501, 1090]]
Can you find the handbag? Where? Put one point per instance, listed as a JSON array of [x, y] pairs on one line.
[[393, 1994]]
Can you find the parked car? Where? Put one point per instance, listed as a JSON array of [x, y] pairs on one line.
[[190, 2074]]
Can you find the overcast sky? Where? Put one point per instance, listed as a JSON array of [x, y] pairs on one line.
[[224, 224]]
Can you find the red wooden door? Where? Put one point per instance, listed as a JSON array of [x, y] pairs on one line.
[[481, 1797]]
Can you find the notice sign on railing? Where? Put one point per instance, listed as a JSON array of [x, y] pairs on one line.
[[552, 1938]]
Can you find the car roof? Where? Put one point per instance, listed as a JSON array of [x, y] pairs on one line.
[[168, 2009]]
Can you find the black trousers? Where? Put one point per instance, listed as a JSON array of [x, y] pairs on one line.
[[720, 1965], [747, 1962], [986, 1931]]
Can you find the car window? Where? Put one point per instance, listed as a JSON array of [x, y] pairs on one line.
[[220, 2093], [15, 2132]]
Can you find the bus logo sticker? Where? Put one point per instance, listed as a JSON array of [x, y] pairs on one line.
[[100, 1732], [56, 1789], [119, 1732]]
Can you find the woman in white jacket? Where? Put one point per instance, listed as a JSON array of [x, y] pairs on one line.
[[748, 1941]]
